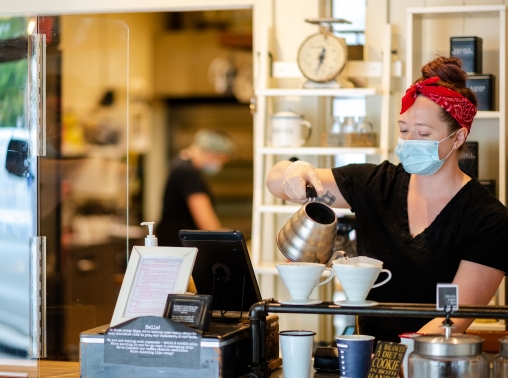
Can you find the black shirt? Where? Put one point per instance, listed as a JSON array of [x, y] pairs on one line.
[[184, 180], [473, 226]]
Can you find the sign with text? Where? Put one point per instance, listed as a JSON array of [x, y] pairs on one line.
[[447, 297], [192, 310], [387, 360], [155, 277], [153, 341], [152, 274]]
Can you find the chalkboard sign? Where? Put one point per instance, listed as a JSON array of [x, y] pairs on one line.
[[387, 360], [192, 310]]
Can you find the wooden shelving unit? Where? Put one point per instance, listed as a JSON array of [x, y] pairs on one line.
[[266, 208]]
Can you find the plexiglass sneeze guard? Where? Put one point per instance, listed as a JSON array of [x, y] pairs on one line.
[[64, 193], [21, 272]]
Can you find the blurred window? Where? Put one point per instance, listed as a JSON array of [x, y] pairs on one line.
[[353, 11]]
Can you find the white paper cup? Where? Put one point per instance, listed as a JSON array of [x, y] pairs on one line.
[[296, 349]]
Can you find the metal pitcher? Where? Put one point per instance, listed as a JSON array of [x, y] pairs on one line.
[[309, 236]]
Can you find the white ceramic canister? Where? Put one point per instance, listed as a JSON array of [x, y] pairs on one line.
[[289, 129]]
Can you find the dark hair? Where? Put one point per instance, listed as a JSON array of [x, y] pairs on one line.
[[452, 76]]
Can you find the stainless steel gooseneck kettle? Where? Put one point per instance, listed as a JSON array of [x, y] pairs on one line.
[[309, 235]]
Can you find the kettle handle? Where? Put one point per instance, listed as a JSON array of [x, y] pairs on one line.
[[310, 192]]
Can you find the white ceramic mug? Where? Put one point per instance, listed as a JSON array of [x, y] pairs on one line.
[[288, 129], [357, 277], [301, 278], [296, 347]]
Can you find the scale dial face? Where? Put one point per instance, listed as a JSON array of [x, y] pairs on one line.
[[322, 57]]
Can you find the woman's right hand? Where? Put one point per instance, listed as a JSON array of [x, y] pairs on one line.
[[297, 176]]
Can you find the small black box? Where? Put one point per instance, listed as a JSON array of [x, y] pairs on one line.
[[469, 51], [483, 88]]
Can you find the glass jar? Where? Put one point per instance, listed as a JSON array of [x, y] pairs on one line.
[[349, 125], [453, 356], [336, 125], [501, 359], [334, 136]]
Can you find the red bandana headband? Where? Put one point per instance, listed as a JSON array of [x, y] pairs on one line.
[[459, 107]]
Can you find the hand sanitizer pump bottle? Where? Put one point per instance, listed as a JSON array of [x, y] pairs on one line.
[[150, 240]]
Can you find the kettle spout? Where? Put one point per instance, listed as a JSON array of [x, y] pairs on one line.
[[335, 256]]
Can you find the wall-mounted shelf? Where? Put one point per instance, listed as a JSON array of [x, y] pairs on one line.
[[339, 92], [483, 114], [319, 150]]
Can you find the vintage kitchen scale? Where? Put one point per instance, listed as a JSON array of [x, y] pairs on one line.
[[322, 56], [225, 348]]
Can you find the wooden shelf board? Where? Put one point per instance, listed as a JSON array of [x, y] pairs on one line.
[[457, 9], [319, 150], [332, 92], [483, 114]]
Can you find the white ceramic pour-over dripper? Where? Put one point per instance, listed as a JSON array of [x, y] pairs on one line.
[[301, 278], [357, 276]]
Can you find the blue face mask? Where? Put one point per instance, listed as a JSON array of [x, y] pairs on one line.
[[420, 157], [211, 168]]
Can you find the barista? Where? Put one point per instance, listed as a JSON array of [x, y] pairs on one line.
[[188, 202], [426, 219]]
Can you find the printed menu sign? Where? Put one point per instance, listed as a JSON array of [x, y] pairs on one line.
[[154, 342], [155, 277], [387, 360]]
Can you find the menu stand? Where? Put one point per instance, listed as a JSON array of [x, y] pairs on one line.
[[257, 315]]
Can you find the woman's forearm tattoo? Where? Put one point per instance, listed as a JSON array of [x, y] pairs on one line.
[[327, 199]]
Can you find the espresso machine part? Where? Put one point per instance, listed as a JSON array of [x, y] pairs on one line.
[[449, 355], [501, 359]]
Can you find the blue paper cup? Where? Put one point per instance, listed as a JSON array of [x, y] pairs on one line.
[[355, 354]]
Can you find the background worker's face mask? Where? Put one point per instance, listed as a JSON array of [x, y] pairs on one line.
[[211, 168], [420, 157]]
